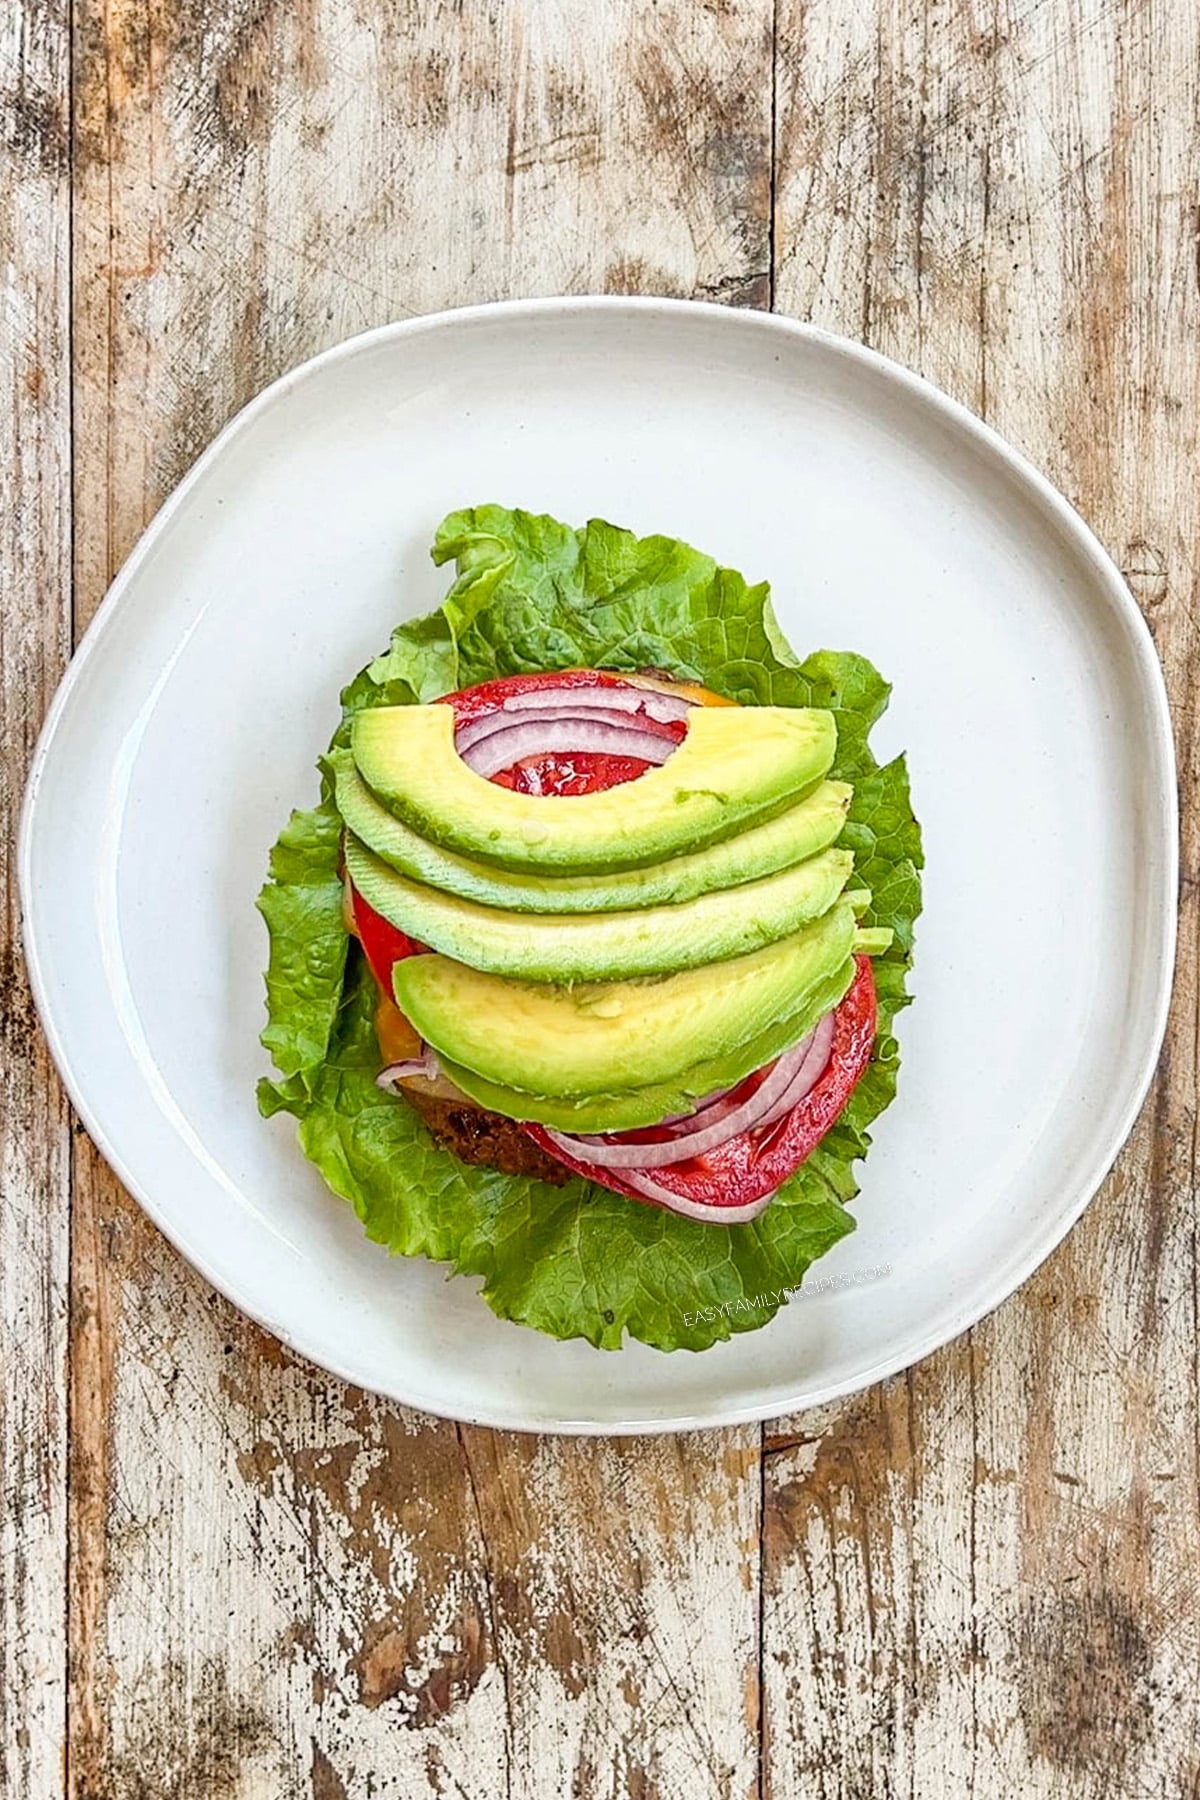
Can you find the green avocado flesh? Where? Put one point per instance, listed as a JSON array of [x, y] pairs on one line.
[[634, 1107], [576, 947], [778, 843], [600, 1037], [735, 766], [873, 940]]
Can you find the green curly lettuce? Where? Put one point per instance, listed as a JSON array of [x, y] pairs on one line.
[[302, 906], [576, 1261]]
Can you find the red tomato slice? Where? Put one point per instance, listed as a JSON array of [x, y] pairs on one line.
[[560, 774], [579, 772], [383, 945], [477, 702], [753, 1164]]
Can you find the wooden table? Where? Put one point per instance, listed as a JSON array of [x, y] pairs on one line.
[[224, 1575]]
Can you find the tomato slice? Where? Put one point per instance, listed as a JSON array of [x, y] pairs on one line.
[[579, 772], [755, 1163], [383, 945], [489, 696], [560, 773]]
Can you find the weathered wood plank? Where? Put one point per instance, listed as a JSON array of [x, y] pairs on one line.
[[34, 1145], [283, 1586], [981, 1578]]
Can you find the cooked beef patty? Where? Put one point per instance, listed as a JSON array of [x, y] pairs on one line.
[[485, 1138]]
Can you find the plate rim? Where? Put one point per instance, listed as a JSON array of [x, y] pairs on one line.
[[1144, 661]]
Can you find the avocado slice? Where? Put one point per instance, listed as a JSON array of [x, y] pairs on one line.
[[566, 947], [873, 940], [803, 830], [634, 1107], [736, 765], [600, 1037]]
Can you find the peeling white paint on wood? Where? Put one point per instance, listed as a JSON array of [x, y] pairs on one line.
[[977, 1579], [294, 1585], [34, 1146], [981, 1579]]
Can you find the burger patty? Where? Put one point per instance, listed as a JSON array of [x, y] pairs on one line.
[[485, 1138]]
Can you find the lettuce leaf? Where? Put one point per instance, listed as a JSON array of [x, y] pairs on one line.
[[302, 905], [577, 1261]]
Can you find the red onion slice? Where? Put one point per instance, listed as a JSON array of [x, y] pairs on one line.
[[705, 1211], [477, 731], [805, 1078], [717, 1098], [784, 1087], [566, 736], [632, 699], [426, 1064]]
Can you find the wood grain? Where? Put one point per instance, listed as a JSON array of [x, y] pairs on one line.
[[981, 1578], [978, 1579], [34, 639], [281, 1586]]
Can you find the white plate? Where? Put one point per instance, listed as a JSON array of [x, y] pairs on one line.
[[889, 521]]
